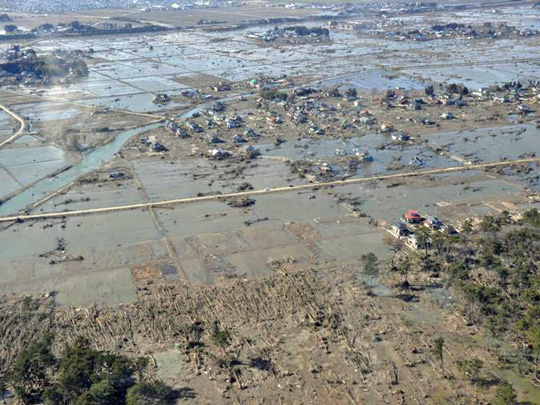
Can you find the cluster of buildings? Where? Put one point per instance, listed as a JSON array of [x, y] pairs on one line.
[[309, 108], [319, 111], [378, 7], [188, 5], [455, 30], [318, 171], [344, 164], [58, 6], [221, 86], [292, 34], [195, 93], [514, 92], [12, 32], [152, 143], [268, 82], [459, 96], [407, 229], [161, 98], [191, 128]]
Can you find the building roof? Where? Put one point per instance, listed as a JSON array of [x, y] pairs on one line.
[[412, 214]]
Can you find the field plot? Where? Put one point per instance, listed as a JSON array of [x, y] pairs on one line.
[[46, 112], [438, 197], [8, 183], [206, 242], [30, 21], [6, 126], [28, 165], [90, 249], [232, 15], [490, 144], [187, 179]]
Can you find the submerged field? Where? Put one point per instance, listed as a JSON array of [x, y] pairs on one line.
[[320, 147]]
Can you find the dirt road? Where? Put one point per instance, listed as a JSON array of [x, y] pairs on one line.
[[19, 131], [265, 191]]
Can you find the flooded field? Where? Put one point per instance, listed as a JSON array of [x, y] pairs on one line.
[[203, 242], [386, 156], [128, 74], [313, 188], [28, 165], [6, 126], [470, 196], [47, 112], [89, 162], [490, 144]]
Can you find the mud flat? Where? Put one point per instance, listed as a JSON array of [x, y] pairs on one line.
[[490, 144], [89, 162]]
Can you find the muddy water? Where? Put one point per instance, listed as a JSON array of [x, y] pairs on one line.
[[89, 162], [142, 103], [46, 111], [386, 154], [490, 144], [6, 126], [376, 80]]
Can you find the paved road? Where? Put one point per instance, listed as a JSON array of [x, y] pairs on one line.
[[21, 128], [156, 204]]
